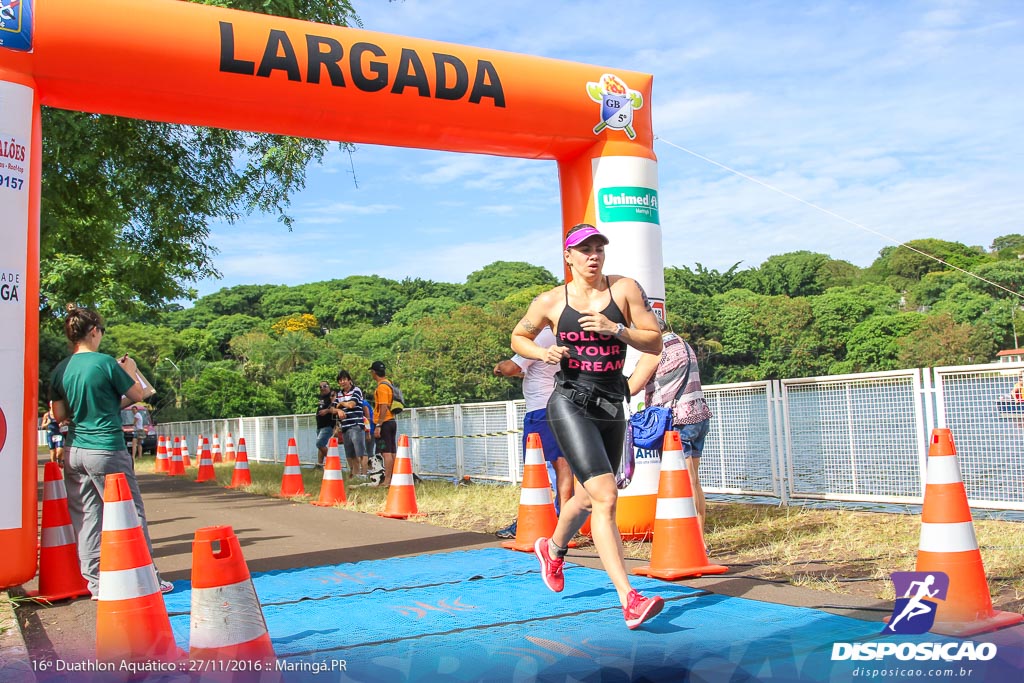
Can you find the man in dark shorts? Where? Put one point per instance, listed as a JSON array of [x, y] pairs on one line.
[[538, 383], [386, 430], [325, 413]]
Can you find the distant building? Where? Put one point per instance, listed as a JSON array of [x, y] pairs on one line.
[[1010, 356]]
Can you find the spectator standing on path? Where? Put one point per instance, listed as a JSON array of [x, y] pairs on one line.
[[595, 317], [138, 433], [386, 429], [325, 420], [538, 383], [349, 406], [672, 380], [90, 388]]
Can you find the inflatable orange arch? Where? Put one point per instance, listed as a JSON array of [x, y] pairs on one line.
[[187, 63]]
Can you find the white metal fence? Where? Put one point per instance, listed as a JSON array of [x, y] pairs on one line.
[[859, 438]]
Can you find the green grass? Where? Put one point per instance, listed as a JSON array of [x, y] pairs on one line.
[[839, 551]]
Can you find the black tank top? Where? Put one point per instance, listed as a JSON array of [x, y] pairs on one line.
[[594, 359]]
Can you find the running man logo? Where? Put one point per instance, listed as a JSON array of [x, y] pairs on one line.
[[914, 613]]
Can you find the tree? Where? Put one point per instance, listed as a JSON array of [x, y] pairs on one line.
[[792, 274], [963, 304], [356, 299], [126, 204], [939, 340], [145, 343], [219, 392], [873, 345], [292, 350], [306, 322], [910, 265], [700, 280], [501, 278], [840, 309], [1008, 246]]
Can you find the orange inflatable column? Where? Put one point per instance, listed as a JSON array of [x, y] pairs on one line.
[[19, 316]]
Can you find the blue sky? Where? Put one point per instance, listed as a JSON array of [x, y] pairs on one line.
[[904, 117]]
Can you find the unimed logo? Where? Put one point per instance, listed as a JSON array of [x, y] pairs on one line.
[[628, 204]]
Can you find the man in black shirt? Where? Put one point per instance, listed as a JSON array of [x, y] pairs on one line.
[[325, 413]]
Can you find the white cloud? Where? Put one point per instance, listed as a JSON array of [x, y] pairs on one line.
[[905, 118]]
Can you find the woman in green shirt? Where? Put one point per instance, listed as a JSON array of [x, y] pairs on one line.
[[90, 388]]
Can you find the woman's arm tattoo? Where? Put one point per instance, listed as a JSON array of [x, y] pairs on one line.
[[527, 325]]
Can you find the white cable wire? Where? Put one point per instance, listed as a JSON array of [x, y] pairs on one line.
[[835, 215]]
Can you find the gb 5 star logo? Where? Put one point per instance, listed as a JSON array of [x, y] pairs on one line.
[[617, 104]]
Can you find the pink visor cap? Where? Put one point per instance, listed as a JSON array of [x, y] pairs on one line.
[[582, 235]]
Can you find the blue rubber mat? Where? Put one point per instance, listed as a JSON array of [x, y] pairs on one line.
[[362, 577], [485, 615], [708, 638], [410, 612]]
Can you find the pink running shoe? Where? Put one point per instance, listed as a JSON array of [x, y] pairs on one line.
[[550, 570], [639, 609]]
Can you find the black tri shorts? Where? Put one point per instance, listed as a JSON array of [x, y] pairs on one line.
[[590, 432]]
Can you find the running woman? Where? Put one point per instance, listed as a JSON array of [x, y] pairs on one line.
[[595, 316]]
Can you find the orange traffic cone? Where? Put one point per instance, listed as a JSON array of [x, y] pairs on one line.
[[177, 465], [536, 506], [229, 449], [186, 459], [216, 449], [678, 546], [948, 544], [206, 471], [227, 622], [131, 619], [60, 574], [401, 503], [291, 481], [163, 463], [332, 489], [241, 475]]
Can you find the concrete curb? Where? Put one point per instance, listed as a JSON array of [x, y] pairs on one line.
[[15, 663]]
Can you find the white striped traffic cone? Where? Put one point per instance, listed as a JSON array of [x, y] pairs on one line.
[[537, 516], [131, 619], [60, 573], [678, 547], [948, 544], [206, 471], [227, 624]]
